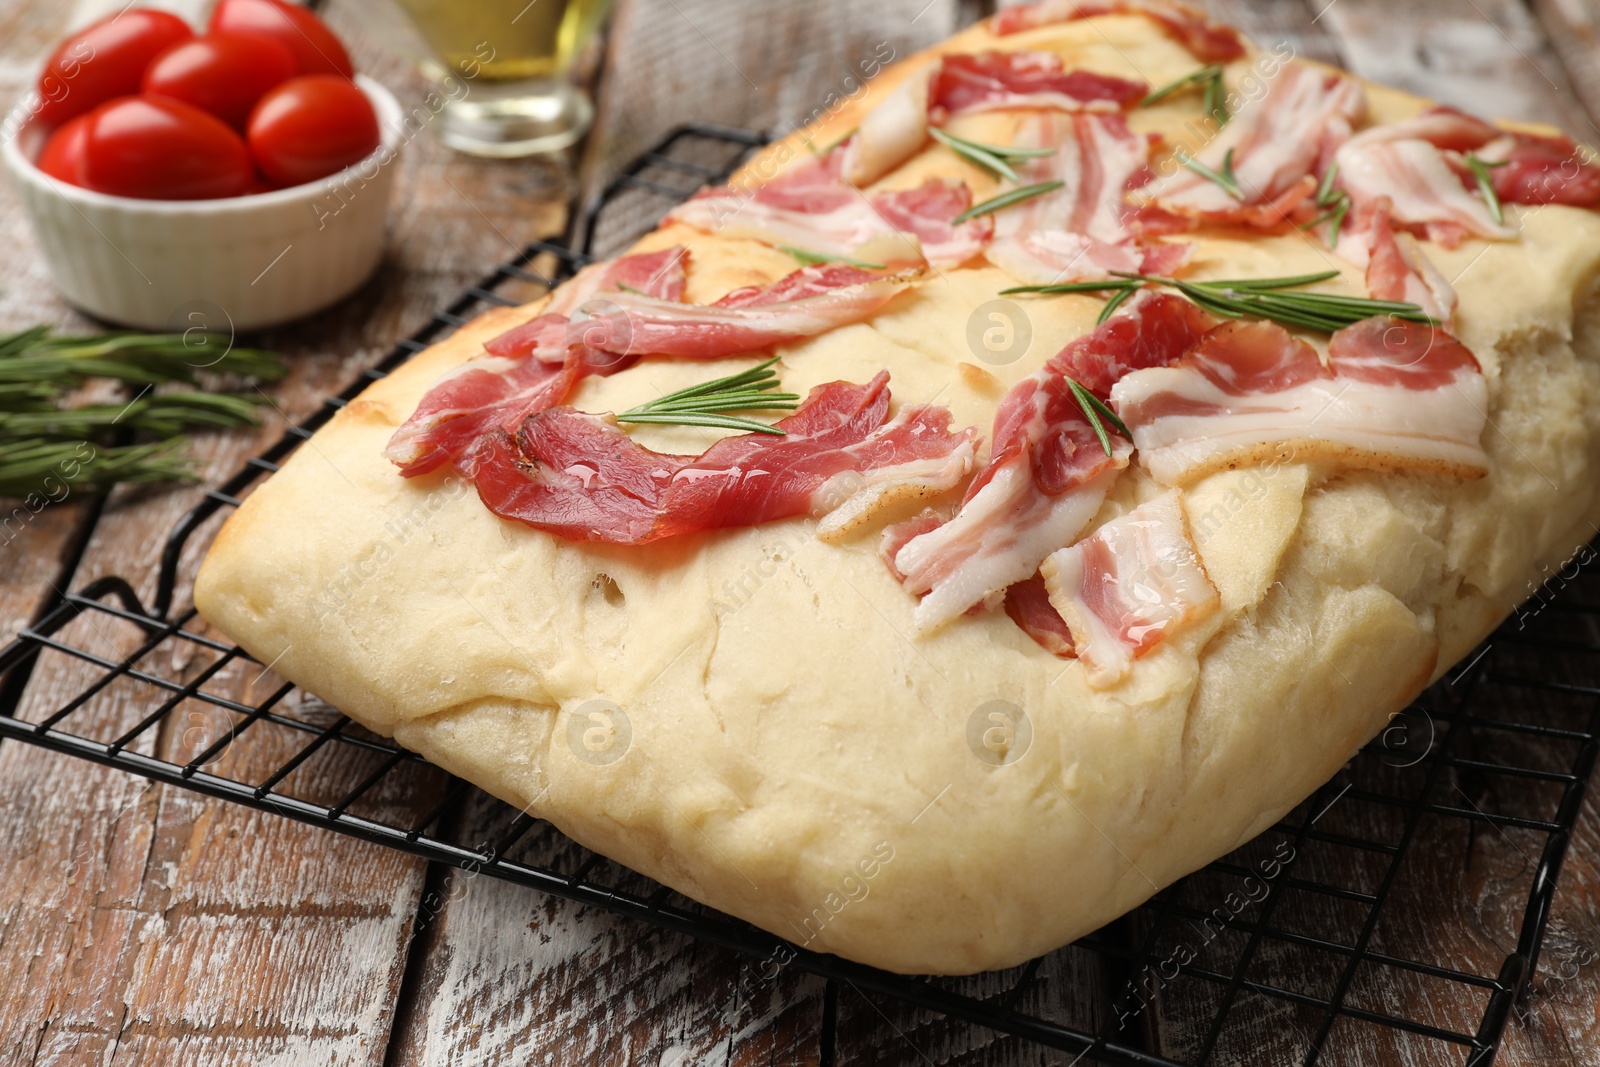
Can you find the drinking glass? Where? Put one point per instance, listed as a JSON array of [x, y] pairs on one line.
[[511, 58]]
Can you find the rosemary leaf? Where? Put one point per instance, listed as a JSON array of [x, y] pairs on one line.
[[1225, 178], [1007, 199], [1114, 303], [816, 258], [1094, 410], [1133, 281], [1480, 171], [700, 405]]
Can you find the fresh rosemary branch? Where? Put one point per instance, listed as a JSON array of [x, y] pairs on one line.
[[1480, 170], [86, 447], [1095, 409], [1007, 199], [811, 259], [994, 159], [1210, 77], [703, 405], [1261, 298], [1224, 177]]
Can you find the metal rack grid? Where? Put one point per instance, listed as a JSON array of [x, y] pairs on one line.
[[1503, 745]]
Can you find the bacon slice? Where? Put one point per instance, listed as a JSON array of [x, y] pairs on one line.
[[1540, 169], [528, 368], [1047, 475], [1028, 604], [833, 218], [1131, 584], [582, 478], [807, 302], [1207, 40], [1085, 229], [1394, 395], [1397, 267], [1276, 143], [994, 81], [894, 130], [1420, 183]]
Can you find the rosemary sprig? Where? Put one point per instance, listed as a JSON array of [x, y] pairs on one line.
[[702, 405], [1335, 204], [1210, 77], [89, 447], [1480, 170], [995, 159], [1007, 199], [1224, 177], [626, 288], [1261, 298], [1095, 409], [816, 258]]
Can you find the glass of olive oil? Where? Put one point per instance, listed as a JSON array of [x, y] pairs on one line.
[[505, 65]]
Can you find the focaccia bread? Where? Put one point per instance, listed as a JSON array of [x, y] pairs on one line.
[[758, 717]]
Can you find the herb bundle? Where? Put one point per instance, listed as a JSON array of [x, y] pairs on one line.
[[94, 446], [706, 404], [1261, 298]]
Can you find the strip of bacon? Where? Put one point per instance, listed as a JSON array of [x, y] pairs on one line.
[[1275, 143], [1394, 395], [1207, 40], [994, 81], [527, 368], [1424, 190], [807, 302], [1540, 169], [833, 218], [1397, 267], [582, 478], [1085, 229], [1133, 583], [1028, 604], [1048, 473], [897, 128]]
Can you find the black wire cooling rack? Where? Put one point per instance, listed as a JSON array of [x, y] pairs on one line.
[[1350, 932]]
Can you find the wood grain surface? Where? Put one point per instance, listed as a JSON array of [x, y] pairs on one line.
[[141, 924]]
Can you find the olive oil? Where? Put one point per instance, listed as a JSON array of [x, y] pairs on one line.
[[507, 40]]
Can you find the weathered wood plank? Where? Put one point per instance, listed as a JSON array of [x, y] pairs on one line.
[[1489, 57], [148, 925], [1573, 27]]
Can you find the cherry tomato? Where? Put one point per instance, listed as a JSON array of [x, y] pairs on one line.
[[316, 50], [158, 149], [223, 73], [310, 127], [105, 60], [62, 156]]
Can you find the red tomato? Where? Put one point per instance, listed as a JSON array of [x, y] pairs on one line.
[[310, 127], [62, 157], [223, 73], [157, 149], [105, 60], [316, 50]]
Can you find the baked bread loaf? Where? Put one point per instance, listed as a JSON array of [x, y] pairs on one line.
[[764, 715]]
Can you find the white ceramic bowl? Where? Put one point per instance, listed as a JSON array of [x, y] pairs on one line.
[[244, 262]]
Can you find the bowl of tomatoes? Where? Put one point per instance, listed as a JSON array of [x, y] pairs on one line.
[[237, 177]]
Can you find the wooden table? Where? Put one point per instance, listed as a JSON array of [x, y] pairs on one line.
[[144, 924]]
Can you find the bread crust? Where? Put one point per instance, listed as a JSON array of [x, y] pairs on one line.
[[793, 755]]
